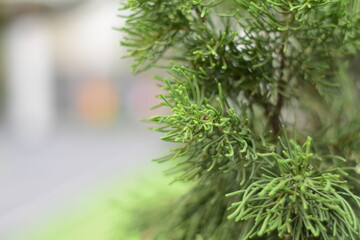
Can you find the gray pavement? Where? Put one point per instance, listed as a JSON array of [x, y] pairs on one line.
[[38, 180]]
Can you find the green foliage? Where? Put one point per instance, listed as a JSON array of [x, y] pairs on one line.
[[141, 210], [298, 201], [151, 37], [213, 136], [241, 71], [201, 213]]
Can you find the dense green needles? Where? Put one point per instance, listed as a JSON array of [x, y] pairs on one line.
[[264, 115], [297, 201]]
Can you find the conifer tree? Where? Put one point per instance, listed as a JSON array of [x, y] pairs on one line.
[[264, 115]]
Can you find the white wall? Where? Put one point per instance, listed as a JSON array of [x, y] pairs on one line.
[[29, 78]]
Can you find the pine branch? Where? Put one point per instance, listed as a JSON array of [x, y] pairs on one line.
[[239, 69], [297, 202]]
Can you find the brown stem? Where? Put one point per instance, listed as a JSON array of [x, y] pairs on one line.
[[273, 112], [275, 120], [276, 113]]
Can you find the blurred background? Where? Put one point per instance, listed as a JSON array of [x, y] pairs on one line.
[[71, 135]]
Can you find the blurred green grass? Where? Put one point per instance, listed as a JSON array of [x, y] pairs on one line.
[[122, 211]]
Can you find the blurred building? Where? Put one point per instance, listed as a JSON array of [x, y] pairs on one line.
[[52, 51]]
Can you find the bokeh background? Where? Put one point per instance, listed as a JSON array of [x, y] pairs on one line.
[[72, 143]]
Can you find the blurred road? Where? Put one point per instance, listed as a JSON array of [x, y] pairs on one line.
[[37, 181]]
